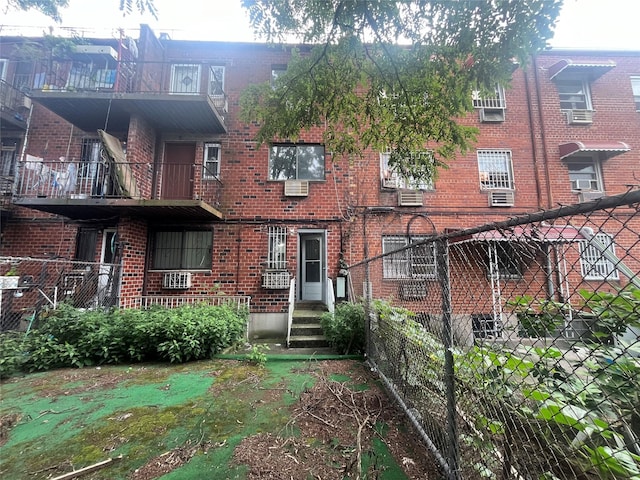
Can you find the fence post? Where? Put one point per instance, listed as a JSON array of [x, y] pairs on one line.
[[444, 279]]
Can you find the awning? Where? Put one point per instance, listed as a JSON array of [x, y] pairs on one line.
[[569, 69], [528, 234], [609, 149]]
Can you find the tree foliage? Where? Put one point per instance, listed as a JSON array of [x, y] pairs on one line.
[[51, 8], [391, 75]]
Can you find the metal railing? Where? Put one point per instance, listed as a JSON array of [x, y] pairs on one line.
[[237, 301], [107, 179], [14, 100], [520, 358], [292, 305]]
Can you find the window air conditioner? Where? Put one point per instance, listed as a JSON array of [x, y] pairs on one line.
[[276, 280], [501, 198], [176, 280], [296, 188], [584, 185], [410, 198], [492, 115], [578, 117], [589, 196]]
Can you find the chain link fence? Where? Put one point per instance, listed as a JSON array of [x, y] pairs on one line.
[[514, 347], [27, 285]]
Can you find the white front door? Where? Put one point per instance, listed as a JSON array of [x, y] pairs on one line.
[[312, 266]]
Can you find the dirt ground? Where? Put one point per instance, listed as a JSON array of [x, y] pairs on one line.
[[287, 420]]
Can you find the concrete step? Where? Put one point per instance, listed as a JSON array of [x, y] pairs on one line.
[[305, 329], [306, 316], [308, 341]]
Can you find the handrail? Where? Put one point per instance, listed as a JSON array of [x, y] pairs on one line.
[[292, 302], [173, 301], [331, 296]]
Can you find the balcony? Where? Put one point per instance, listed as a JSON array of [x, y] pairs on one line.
[[106, 189], [172, 98], [14, 108]]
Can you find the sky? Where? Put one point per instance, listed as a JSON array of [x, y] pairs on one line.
[[583, 24]]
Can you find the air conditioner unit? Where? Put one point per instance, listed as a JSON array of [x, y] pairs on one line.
[[584, 185], [276, 280], [410, 198], [579, 117], [589, 196], [492, 115], [296, 188], [501, 198], [391, 182], [413, 290], [176, 280]]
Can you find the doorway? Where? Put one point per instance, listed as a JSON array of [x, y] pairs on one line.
[[177, 171], [312, 265]]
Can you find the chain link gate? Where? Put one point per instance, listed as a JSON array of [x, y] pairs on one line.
[[30, 284], [514, 347]]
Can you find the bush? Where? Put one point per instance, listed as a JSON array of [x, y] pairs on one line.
[[345, 328], [71, 337]]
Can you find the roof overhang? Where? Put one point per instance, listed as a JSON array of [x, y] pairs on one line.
[[606, 149], [529, 234], [569, 69]]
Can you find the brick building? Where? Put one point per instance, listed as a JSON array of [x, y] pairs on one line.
[[132, 152]]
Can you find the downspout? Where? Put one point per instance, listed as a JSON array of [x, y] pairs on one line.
[[543, 136], [534, 149]]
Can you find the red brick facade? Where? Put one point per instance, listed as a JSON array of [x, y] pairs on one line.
[[249, 202]]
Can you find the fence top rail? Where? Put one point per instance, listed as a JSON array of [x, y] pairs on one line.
[[625, 199], [53, 260]]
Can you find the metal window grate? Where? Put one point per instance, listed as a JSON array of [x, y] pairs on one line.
[[277, 254], [495, 169], [593, 258]]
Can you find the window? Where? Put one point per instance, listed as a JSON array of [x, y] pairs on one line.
[[416, 262], [505, 260], [393, 179], [584, 173], [277, 248], [182, 249], [597, 257], [301, 162], [276, 72], [7, 164], [635, 85], [4, 64], [495, 101], [574, 94], [185, 79], [495, 169], [216, 80], [211, 162]]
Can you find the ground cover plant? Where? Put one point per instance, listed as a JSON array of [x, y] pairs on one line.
[[209, 419]]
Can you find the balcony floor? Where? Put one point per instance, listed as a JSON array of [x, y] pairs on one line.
[[101, 208]]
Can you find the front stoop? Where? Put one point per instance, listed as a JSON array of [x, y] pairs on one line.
[[306, 331]]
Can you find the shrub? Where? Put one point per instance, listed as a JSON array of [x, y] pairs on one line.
[[344, 328], [72, 337]]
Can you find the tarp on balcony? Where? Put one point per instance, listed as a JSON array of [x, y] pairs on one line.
[[126, 180]]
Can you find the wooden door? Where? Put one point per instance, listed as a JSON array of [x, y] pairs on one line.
[[177, 171]]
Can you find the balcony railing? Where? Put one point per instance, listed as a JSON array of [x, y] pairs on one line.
[[108, 179], [14, 101]]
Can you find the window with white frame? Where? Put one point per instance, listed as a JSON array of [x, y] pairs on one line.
[[597, 257], [276, 72], [574, 94], [496, 171], [489, 100], [584, 173], [211, 162], [296, 162], [393, 179], [185, 78], [216, 80], [182, 250], [415, 262], [635, 85], [277, 248]]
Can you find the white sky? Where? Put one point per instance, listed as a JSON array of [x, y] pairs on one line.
[[588, 24]]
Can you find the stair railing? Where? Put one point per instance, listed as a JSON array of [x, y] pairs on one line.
[[331, 296], [292, 302]]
